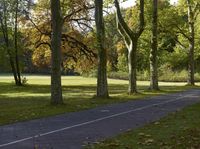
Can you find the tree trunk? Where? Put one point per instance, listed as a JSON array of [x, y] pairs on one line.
[[154, 47], [16, 46], [132, 65], [131, 39], [56, 88], [12, 64], [102, 85], [191, 80]]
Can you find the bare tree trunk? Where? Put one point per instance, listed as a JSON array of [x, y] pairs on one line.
[[131, 39], [191, 80], [16, 46], [132, 64], [102, 85], [12, 63], [57, 22], [154, 47]]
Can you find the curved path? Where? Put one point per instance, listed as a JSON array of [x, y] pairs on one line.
[[73, 130]]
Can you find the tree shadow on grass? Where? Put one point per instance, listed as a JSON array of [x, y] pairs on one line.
[[8, 90], [33, 101]]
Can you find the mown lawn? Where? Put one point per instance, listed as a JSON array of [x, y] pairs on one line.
[[180, 130], [33, 100]]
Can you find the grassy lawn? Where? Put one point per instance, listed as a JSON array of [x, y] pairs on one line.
[[180, 130], [32, 100]]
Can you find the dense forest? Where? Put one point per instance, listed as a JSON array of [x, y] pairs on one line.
[[151, 40]]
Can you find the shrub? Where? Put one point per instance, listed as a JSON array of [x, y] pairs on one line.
[[122, 65], [118, 75], [167, 76], [24, 80]]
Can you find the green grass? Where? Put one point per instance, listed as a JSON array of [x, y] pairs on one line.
[[180, 130], [33, 100]]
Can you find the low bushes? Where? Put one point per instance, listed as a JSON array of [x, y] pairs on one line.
[[166, 76]]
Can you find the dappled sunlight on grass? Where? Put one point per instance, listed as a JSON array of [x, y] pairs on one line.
[[24, 94], [78, 94]]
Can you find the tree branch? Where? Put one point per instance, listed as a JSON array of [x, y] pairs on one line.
[[141, 20], [121, 21]]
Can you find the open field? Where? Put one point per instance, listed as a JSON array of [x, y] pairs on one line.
[[32, 100]]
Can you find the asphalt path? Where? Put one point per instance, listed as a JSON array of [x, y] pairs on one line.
[[74, 130]]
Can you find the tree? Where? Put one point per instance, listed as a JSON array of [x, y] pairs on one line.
[[102, 85], [77, 46], [154, 47], [57, 23], [55, 29], [8, 24], [189, 33], [191, 39], [131, 39], [16, 43]]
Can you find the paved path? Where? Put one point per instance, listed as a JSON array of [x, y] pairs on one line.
[[70, 131]]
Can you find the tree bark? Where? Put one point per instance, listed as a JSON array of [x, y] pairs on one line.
[[102, 85], [132, 65], [191, 80], [56, 88], [131, 39], [16, 46], [154, 47]]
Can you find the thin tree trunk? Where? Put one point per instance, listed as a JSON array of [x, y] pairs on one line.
[[16, 46], [56, 89], [102, 85], [191, 80], [154, 47], [12, 64]]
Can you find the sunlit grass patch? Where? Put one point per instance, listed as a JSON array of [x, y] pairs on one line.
[[33, 100]]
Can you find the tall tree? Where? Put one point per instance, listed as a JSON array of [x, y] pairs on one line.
[[191, 38], [186, 14], [54, 32], [189, 33], [102, 85], [154, 47], [16, 43], [131, 39], [57, 23], [6, 22]]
